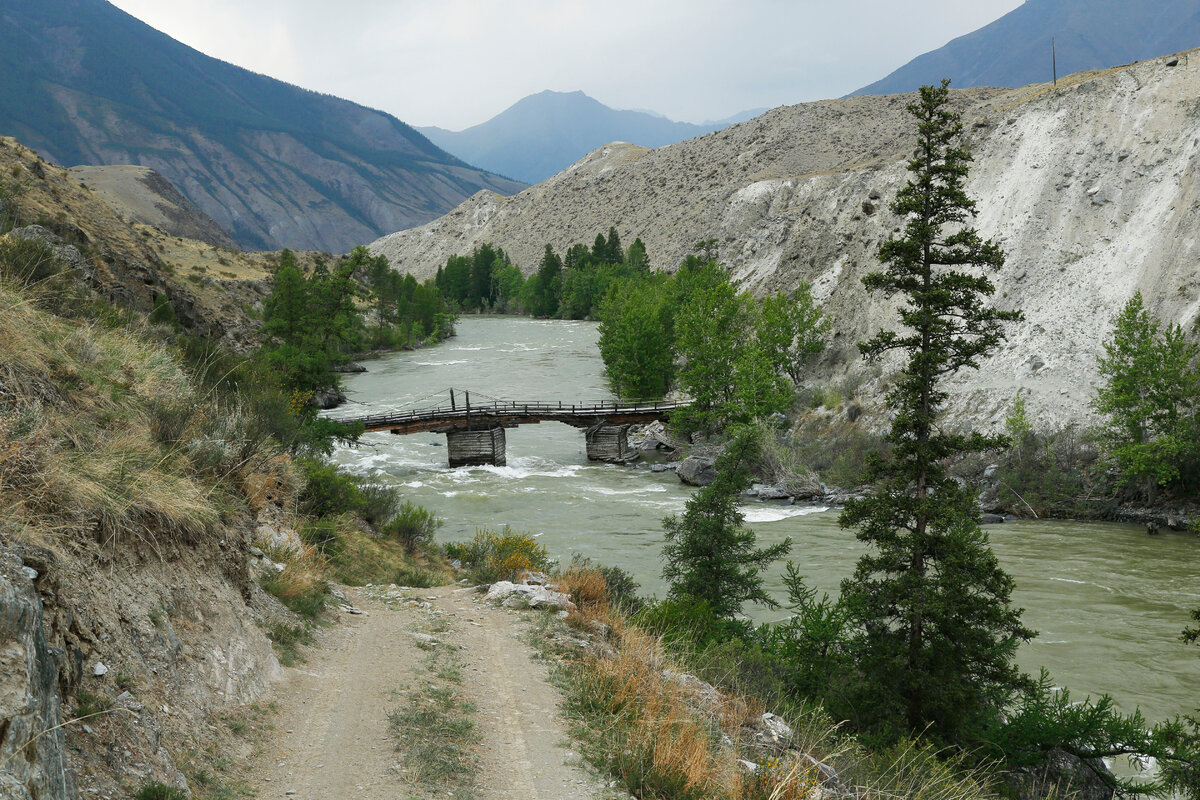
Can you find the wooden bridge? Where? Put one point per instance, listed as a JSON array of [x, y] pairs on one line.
[[475, 431]]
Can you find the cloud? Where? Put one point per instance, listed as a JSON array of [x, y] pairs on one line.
[[455, 63]]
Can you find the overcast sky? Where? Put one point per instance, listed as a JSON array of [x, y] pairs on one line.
[[455, 63]]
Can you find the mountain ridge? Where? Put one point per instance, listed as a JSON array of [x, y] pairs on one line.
[[1015, 50], [545, 132], [273, 164]]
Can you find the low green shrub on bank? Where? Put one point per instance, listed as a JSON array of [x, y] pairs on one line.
[[499, 555]]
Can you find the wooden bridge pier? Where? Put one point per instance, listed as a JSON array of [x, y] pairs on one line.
[[476, 448], [608, 443]]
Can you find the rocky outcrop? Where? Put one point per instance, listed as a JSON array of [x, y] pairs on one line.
[[528, 595], [1089, 188], [697, 471], [33, 760]]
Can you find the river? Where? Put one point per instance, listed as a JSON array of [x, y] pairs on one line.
[[1107, 600]]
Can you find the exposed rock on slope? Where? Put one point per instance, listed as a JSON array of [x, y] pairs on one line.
[[1091, 189], [145, 196], [32, 746]]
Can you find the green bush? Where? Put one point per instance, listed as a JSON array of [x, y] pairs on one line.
[[28, 261], [163, 312], [379, 503], [324, 537], [327, 490], [157, 791], [412, 526], [500, 555]]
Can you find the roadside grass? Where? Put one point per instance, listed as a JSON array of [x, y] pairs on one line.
[[433, 728], [356, 557], [640, 717]]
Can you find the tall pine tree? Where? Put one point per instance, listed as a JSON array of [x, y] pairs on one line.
[[935, 631]]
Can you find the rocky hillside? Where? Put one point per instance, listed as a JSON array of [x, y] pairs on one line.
[[142, 195], [212, 290], [1015, 50], [1091, 189], [541, 134], [274, 165]]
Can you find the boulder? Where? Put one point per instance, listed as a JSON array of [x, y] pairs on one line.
[[519, 595], [772, 733], [991, 519], [697, 471], [326, 399]]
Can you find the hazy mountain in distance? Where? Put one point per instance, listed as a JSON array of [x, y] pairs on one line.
[[1088, 34], [274, 165], [543, 133]]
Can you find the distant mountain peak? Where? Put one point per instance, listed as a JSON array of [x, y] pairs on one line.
[[548, 131]]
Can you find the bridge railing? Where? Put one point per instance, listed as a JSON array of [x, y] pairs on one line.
[[511, 408]]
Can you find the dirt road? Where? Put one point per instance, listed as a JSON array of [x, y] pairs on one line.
[[332, 738]]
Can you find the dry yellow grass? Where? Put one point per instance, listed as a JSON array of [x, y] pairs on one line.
[[76, 443]]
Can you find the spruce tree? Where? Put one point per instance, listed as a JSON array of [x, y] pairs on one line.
[[935, 633], [710, 555]]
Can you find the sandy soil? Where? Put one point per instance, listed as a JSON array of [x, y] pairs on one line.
[[332, 737]]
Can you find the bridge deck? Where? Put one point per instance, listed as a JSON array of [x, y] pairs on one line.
[[510, 414]]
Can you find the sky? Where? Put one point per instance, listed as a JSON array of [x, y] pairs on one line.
[[456, 63]]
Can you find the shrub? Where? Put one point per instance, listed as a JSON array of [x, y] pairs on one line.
[[412, 526], [328, 491], [501, 555], [158, 791], [323, 535], [27, 261], [379, 503], [163, 312]]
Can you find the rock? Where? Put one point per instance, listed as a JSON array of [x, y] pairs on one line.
[[697, 471], [425, 639], [706, 692], [663, 467], [991, 519], [350, 367], [991, 470], [29, 701], [869, 208], [1152, 528], [773, 733], [778, 420], [514, 595], [99, 669], [749, 766], [772, 493], [1173, 61], [326, 399]]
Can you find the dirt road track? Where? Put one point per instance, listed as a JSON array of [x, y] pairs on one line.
[[332, 737]]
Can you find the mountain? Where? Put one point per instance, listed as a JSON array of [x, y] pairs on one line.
[[1088, 34], [273, 164], [546, 132], [1091, 190]]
